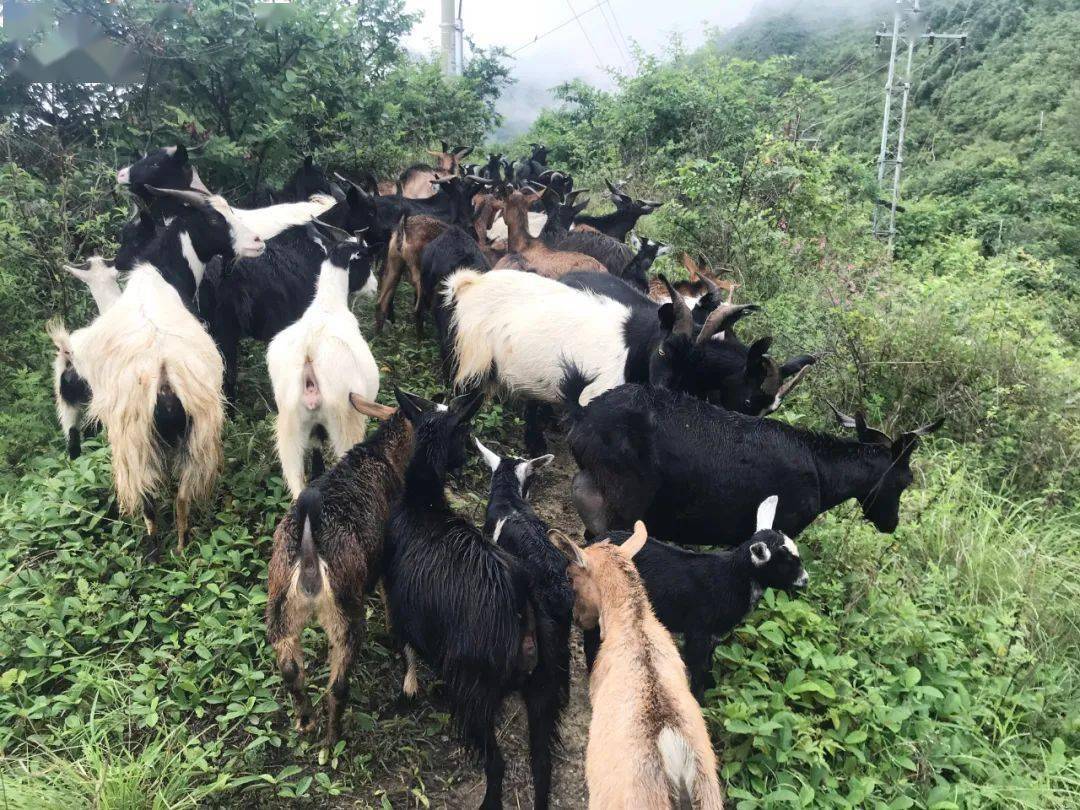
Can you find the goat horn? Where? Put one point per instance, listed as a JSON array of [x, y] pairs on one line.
[[194, 198], [791, 382], [197, 183], [923, 430], [375, 410], [723, 318], [329, 230], [684, 319], [842, 418]]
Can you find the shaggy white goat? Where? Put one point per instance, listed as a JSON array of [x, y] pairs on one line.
[[156, 380], [316, 363], [526, 328], [69, 390]]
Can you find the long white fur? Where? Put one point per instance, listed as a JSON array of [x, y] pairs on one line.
[[327, 336], [101, 278], [145, 339], [526, 328], [268, 222], [498, 227]]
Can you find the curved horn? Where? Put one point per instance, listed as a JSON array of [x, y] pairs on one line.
[[194, 198], [332, 232], [930, 427], [792, 381], [842, 419], [723, 318], [684, 320]]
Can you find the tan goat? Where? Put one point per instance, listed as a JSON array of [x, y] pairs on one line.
[[407, 243], [528, 252], [648, 747]]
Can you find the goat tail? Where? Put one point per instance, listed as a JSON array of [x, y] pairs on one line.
[[574, 383], [472, 358], [399, 231], [59, 335], [309, 516], [680, 766], [196, 381]]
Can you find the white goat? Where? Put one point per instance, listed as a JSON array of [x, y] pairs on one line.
[[69, 389], [156, 380], [316, 363], [527, 328]]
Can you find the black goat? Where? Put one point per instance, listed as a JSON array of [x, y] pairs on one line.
[[513, 525], [532, 167], [492, 170], [636, 271], [697, 472], [309, 179], [665, 348], [562, 211], [705, 595], [463, 603], [450, 251], [622, 220], [166, 167]]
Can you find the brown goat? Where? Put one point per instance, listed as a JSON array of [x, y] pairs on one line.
[[407, 243], [486, 207], [648, 745], [528, 252], [327, 557], [416, 180]]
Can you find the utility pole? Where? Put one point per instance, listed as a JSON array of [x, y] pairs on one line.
[[453, 52], [906, 22]]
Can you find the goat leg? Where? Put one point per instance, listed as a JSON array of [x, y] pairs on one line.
[[345, 640], [291, 663], [698, 652], [153, 552]]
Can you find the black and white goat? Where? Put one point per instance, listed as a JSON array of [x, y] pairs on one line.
[[71, 392], [705, 595], [520, 330], [698, 472], [316, 363], [463, 603]]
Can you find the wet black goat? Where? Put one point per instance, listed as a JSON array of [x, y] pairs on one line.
[[464, 604]]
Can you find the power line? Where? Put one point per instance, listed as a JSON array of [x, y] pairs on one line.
[[611, 33], [581, 25], [625, 43], [551, 31]]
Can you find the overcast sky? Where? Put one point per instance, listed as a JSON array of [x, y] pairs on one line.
[[609, 26]]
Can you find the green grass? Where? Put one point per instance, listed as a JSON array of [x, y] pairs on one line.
[[933, 668]]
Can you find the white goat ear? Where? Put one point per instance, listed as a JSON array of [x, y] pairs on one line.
[[759, 553], [491, 458], [766, 513], [540, 462]]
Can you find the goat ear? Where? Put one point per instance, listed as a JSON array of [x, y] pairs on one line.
[[179, 154], [766, 513], [337, 193], [903, 447], [539, 462], [412, 405], [869, 435], [309, 160], [635, 542], [466, 406], [666, 314], [635, 243], [568, 547], [493, 460], [756, 355], [759, 553], [369, 408]]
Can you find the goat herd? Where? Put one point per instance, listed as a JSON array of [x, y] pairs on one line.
[[664, 407]]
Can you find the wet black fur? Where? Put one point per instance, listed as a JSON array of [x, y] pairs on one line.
[[462, 603]]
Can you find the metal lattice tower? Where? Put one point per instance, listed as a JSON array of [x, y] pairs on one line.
[[907, 32]]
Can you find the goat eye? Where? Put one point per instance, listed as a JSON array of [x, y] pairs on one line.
[[660, 351]]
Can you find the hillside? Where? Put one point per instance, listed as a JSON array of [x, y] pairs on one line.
[[992, 147]]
